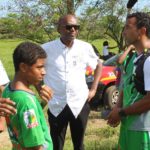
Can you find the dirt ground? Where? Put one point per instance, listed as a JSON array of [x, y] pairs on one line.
[[5, 141]]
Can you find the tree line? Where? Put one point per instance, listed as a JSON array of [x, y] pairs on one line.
[[37, 20]]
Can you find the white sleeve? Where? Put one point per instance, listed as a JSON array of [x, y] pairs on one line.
[[3, 75], [92, 58], [147, 74]]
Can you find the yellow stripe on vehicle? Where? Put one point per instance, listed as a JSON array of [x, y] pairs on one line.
[[108, 78]]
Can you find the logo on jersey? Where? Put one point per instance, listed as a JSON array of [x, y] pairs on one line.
[[30, 118]]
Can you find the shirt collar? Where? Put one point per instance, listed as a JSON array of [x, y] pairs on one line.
[[62, 45]]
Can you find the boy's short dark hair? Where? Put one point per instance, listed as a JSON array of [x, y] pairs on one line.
[[28, 53], [105, 43]]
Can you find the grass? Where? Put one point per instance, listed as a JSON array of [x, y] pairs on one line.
[[99, 45], [6, 50], [98, 136]]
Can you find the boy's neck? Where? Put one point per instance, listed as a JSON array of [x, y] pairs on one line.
[[19, 84]]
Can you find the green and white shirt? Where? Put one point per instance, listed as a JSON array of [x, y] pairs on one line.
[[28, 128], [139, 122]]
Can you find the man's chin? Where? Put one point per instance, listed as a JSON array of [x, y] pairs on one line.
[[72, 37]]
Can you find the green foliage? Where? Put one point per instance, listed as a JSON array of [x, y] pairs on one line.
[[37, 20], [104, 19], [8, 27], [99, 45], [6, 50]]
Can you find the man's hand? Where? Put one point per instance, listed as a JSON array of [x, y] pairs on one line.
[[114, 118], [92, 93], [7, 107]]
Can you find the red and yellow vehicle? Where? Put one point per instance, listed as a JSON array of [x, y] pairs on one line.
[[107, 92]]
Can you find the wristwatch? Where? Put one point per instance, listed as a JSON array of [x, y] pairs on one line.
[[122, 113]]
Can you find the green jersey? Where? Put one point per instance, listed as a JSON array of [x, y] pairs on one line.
[[130, 94], [134, 128], [28, 128]]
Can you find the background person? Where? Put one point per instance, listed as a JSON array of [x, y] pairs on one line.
[[106, 47], [28, 128], [66, 66], [3, 81]]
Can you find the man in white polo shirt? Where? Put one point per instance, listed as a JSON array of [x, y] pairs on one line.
[[66, 66]]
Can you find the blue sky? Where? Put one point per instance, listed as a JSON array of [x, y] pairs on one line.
[[3, 3], [139, 5]]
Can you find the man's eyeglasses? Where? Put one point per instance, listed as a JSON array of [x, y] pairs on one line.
[[69, 27]]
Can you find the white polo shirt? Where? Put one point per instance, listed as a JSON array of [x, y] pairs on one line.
[[3, 75], [65, 74]]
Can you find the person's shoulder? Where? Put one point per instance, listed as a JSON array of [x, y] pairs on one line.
[[49, 44], [24, 100], [19, 95], [81, 42]]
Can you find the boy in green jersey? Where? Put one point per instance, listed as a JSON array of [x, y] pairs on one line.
[[27, 128], [133, 107]]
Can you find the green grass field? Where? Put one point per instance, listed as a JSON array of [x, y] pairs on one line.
[[6, 50], [98, 136]]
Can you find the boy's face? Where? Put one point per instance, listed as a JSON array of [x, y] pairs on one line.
[[35, 73]]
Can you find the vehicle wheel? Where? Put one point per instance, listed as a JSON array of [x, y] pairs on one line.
[[110, 97]]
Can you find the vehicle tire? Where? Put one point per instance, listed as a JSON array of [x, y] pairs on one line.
[[110, 97]]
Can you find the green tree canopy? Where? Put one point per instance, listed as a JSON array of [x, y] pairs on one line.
[[37, 20]]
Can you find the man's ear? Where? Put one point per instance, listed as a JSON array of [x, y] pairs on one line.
[[143, 31], [23, 67]]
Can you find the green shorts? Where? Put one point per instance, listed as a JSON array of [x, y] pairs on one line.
[[134, 140]]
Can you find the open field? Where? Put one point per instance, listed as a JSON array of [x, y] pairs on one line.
[[99, 136]]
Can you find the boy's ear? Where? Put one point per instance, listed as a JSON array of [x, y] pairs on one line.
[[23, 67]]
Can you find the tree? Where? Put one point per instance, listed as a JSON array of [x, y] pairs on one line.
[[105, 19], [37, 20], [8, 26], [72, 5]]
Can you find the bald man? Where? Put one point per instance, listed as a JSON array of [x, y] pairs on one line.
[[66, 65]]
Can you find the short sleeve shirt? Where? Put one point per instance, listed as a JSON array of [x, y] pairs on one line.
[[147, 74], [131, 95], [65, 74], [3, 75], [28, 128]]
